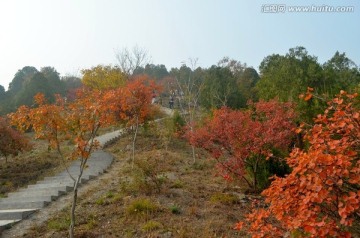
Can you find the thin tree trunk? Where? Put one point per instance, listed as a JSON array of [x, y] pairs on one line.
[[75, 193], [191, 118], [134, 140], [193, 153], [255, 175], [300, 143], [73, 206]]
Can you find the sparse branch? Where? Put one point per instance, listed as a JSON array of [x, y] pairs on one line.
[[191, 89], [129, 60]]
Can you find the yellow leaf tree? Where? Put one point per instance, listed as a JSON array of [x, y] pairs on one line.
[[103, 77]]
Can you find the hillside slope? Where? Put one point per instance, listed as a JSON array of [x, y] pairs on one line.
[[163, 195]]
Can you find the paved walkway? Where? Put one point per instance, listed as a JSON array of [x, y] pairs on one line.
[[21, 204]]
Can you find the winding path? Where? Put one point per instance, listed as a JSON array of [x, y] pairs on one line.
[[24, 202]]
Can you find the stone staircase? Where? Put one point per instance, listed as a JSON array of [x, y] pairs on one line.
[[22, 203]]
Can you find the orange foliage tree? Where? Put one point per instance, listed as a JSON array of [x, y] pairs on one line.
[[46, 120], [132, 103], [135, 100], [11, 141], [321, 196], [241, 140], [78, 121]]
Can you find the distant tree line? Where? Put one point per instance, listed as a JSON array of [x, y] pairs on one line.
[[232, 83], [288, 76], [29, 81], [228, 83]]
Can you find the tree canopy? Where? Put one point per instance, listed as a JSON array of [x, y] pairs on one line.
[[29, 81], [103, 77], [288, 76]]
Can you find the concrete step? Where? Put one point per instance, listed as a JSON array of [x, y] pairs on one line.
[[107, 138], [33, 198], [92, 173], [50, 185], [54, 181], [86, 175], [91, 164], [75, 175], [51, 188], [15, 214], [7, 223], [44, 192], [23, 204], [62, 179], [93, 160], [94, 167]]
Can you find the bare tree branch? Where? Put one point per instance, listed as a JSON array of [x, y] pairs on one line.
[[129, 60]]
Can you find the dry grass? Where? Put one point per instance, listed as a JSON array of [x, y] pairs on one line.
[[29, 167], [164, 195]]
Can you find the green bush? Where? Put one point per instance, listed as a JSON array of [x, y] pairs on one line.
[[175, 209], [141, 207], [178, 121], [268, 168], [151, 226]]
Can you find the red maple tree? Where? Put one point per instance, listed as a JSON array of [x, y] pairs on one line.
[[12, 141], [321, 196], [241, 140], [131, 104]]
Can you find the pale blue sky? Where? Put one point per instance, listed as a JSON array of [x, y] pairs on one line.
[[74, 34]]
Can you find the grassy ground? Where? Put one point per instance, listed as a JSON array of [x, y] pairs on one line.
[[28, 167], [163, 195]]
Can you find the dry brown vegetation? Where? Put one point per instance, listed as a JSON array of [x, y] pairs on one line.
[[164, 195], [28, 167]]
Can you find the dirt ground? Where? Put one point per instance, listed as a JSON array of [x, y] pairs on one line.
[[28, 167], [162, 194]]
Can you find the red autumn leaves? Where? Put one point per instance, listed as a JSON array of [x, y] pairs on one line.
[[321, 196], [241, 139]]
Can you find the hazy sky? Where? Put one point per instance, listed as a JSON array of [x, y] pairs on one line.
[[70, 35]]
